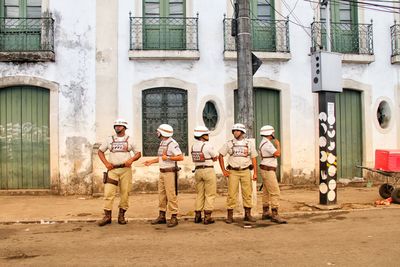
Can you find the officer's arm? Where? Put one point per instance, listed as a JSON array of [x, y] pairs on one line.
[[278, 149], [175, 158], [222, 165], [254, 162], [150, 161], [134, 158], [103, 159]]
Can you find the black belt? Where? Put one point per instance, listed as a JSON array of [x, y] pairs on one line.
[[203, 167], [119, 166]]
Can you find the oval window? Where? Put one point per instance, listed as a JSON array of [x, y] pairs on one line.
[[383, 114], [210, 115]]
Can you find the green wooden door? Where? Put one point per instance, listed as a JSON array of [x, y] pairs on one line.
[[24, 138], [164, 25], [21, 28], [349, 133], [267, 112], [263, 25], [344, 27]]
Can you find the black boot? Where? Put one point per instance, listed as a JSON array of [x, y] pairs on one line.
[[276, 218], [197, 216], [247, 215], [106, 219], [229, 218], [160, 219], [265, 214], [207, 217], [121, 216], [173, 221]]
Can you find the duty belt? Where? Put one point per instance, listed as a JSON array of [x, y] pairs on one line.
[[168, 169], [238, 168], [267, 168], [203, 167], [119, 166]]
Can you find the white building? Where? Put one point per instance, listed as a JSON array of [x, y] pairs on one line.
[[174, 61]]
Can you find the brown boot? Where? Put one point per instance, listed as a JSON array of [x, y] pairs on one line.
[[265, 214], [121, 216], [173, 221], [197, 216], [247, 215], [207, 217], [276, 218], [229, 218], [160, 219], [106, 219]]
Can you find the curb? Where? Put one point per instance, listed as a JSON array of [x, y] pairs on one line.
[[293, 214]]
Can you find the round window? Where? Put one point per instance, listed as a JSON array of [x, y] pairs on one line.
[[210, 115], [383, 114]]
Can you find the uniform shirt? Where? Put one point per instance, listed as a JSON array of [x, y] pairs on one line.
[[120, 143], [267, 149], [239, 161], [208, 151], [172, 149]]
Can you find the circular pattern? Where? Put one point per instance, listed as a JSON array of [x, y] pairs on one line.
[[332, 171], [323, 156], [332, 133], [331, 195], [331, 120], [331, 158], [322, 141], [325, 127], [331, 146], [322, 116], [383, 114], [323, 175], [323, 188], [332, 184]]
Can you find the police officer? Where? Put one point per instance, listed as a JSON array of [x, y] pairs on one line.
[[168, 153], [203, 155], [242, 159], [119, 170], [269, 154]]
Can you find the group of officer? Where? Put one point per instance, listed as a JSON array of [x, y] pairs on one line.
[[242, 160]]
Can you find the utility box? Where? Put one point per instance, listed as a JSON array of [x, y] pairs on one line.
[[326, 72], [387, 159]]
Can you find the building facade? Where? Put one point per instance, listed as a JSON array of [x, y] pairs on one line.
[[80, 65]]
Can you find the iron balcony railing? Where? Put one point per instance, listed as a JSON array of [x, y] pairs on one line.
[[345, 38], [267, 35], [395, 39], [26, 34], [164, 33]]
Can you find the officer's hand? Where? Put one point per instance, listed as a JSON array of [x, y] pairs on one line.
[[277, 142], [147, 163], [226, 173], [128, 163], [109, 166]]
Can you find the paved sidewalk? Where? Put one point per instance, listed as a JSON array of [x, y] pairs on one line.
[[52, 209]]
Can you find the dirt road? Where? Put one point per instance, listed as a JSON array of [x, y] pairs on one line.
[[359, 238]]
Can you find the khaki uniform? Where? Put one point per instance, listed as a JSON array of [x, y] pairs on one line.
[[240, 154], [206, 180], [168, 200], [120, 151], [271, 192]]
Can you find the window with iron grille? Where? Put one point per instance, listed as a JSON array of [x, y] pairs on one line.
[[164, 105], [210, 115]]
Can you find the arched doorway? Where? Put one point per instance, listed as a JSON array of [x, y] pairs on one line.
[[24, 138]]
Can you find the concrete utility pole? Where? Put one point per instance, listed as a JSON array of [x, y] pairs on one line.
[[244, 65]]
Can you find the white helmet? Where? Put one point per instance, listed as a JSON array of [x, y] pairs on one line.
[[267, 130], [165, 130], [121, 122], [200, 130], [239, 126]]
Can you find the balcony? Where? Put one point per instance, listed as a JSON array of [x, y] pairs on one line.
[[164, 38], [353, 41], [270, 39], [395, 41], [26, 39]]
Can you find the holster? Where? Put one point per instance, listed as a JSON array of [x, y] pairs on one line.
[[107, 180]]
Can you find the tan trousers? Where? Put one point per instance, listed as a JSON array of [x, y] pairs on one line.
[[206, 188], [168, 201], [271, 192], [124, 178], [244, 177]]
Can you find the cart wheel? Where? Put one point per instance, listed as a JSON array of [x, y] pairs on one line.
[[385, 190], [396, 195]]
